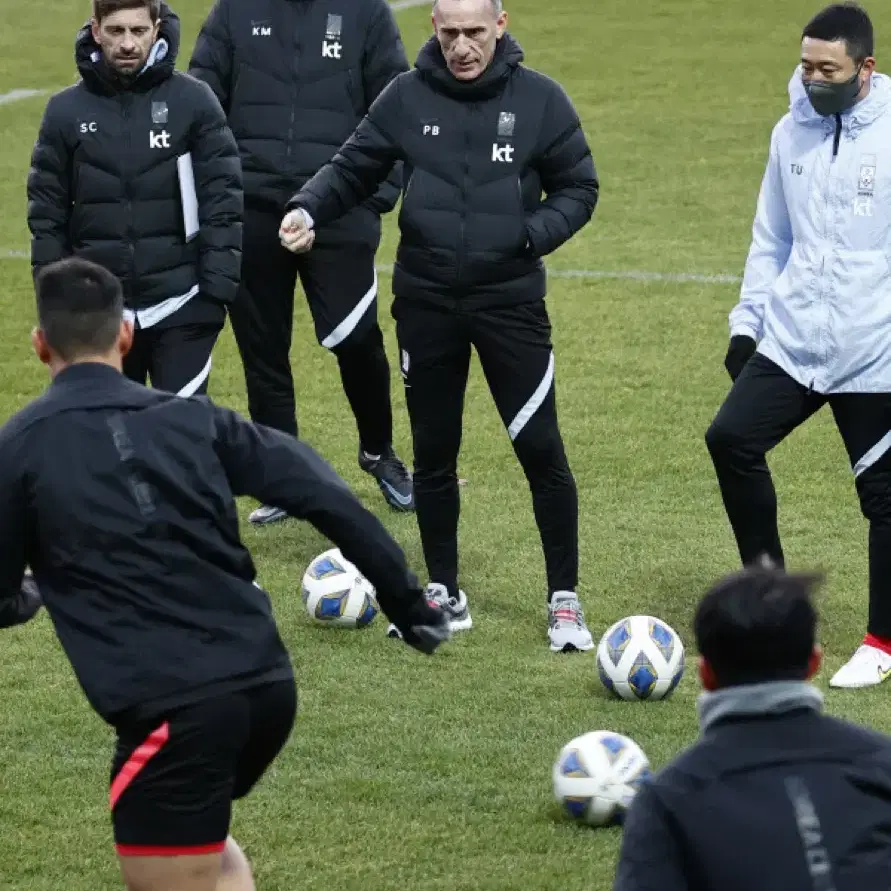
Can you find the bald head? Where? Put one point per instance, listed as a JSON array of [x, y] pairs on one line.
[[496, 5], [467, 31]]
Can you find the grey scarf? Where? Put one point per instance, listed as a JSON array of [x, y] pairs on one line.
[[753, 700]]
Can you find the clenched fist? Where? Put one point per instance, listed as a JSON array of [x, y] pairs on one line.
[[295, 233]]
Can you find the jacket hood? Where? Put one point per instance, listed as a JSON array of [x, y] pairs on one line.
[[432, 65], [756, 701], [876, 103], [98, 75]]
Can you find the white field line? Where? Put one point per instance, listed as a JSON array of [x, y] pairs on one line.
[[637, 275], [18, 95]]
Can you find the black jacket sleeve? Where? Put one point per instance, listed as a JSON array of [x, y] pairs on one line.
[[212, 57], [49, 192], [218, 184], [568, 177], [384, 58], [354, 173], [649, 859], [277, 469], [19, 599]]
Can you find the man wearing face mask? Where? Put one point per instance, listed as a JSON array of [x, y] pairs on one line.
[[813, 323], [481, 137], [135, 168]]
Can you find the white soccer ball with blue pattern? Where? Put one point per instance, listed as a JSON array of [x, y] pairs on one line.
[[336, 593], [640, 657], [597, 775]]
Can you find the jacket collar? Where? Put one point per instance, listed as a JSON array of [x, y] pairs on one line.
[[756, 701], [432, 65], [86, 371], [99, 76]]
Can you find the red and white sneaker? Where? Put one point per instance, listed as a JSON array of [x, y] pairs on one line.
[[868, 667], [567, 630]]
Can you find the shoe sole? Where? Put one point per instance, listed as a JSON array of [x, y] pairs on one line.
[[268, 522], [570, 644], [863, 686], [571, 648], [461, 625]]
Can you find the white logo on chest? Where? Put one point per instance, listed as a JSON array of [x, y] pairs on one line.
[[159, 140]]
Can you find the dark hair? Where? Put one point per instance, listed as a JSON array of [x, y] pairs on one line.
[[103, 8], [758, 625], [844, 21], [79, 308]]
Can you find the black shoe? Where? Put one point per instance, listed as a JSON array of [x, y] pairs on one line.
[[392, 477]]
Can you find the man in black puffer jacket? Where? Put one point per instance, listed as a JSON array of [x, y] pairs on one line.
[[121, 160], [481, 137], [775, 796], [295, 78]]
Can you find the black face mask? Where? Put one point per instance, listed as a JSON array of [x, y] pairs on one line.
[[829, 99]]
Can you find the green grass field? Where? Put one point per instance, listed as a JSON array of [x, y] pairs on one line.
[[412, 773]]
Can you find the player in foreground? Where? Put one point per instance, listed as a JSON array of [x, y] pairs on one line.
[[121, 500], [808, 794], [813, 322]]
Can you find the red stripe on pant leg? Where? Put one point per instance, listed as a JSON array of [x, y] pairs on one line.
[[169, 850], [137, 761]]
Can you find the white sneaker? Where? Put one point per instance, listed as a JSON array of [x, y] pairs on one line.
[[267, 514], [868, 667], [455, 607], [567, 630]]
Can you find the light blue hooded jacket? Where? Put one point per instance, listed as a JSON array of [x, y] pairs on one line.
[[816, 294]]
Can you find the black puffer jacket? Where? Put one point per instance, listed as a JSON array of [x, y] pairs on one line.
[[295, 78], [477, 157], [775, 796], [104, 182]]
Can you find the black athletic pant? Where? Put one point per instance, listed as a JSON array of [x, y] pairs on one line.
[[763, 407], [175, 357], [514, 349], [340, 284]]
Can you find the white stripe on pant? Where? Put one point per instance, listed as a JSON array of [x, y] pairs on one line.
[[348, 325], [534, 402]]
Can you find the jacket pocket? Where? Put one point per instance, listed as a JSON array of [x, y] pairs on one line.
[[406, 188], [526, 246]]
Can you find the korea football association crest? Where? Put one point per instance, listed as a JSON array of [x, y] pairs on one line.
[[866, 184], [159, 112], [504, 153], [331, 45]]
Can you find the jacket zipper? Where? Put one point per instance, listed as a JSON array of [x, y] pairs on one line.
[[464, 184], [295, 83], [126, 99], [836, 143], [838, 133]]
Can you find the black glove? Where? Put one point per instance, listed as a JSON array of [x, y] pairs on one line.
[[421, 625], [30, 600], [741, 349]]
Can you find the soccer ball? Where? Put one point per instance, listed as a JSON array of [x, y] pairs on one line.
[[640, 657], [596, 777], [336, 593]]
